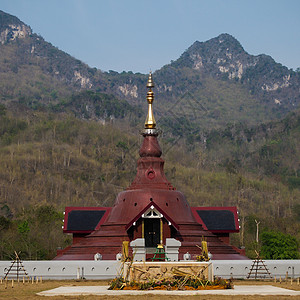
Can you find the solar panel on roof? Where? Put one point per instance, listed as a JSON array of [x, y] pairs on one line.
[[84, 220], [217, 219]]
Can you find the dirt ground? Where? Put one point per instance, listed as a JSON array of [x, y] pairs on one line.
[[29, 290]]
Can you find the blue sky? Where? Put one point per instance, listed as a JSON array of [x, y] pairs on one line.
[[139, 35]]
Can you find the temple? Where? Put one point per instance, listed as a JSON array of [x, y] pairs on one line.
[[150, 211]]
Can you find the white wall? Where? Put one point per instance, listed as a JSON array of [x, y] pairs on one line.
[[50, 269], [108, 269], [241, 268]]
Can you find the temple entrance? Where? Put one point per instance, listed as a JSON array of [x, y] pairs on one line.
[[152, 232]]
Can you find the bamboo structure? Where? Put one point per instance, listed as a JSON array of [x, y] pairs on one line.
[[259, 269], [16, 269]]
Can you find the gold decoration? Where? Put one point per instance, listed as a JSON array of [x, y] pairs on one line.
[[150, 121]]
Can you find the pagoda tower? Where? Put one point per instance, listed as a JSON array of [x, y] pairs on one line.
[[151, 209]]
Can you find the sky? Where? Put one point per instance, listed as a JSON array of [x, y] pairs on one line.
[[140, 35]]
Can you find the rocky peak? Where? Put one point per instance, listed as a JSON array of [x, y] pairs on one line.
[[217, 55], [223, 57], [12, 28], [222, 43]]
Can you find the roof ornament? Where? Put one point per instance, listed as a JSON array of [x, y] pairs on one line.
[[150, 121]]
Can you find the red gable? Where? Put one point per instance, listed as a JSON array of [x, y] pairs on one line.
[[158, 209]]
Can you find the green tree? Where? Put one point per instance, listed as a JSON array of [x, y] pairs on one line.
[[23, 228], [276, 245]]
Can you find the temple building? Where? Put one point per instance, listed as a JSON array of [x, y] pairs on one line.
[[150, 212]]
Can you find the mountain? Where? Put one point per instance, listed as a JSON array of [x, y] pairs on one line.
[[223, 82], [65, 136], [21, 48], [223, 57], [214, 94], [212, 83]]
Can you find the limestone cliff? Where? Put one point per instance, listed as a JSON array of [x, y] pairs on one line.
[[12, 28], [211, 83]]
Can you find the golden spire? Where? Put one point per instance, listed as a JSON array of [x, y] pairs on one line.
[[150, 121]]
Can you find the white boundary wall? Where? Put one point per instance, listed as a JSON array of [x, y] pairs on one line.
[[67, 269], [108, 269], [240, 268]]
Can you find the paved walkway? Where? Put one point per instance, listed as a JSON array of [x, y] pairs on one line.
[[103, 290]]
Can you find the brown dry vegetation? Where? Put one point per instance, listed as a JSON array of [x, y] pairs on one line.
[[28, 291], [51, 161]]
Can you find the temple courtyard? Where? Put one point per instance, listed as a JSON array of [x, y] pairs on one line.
[[72, 289]]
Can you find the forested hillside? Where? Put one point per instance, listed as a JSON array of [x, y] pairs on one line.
[[49, 161]]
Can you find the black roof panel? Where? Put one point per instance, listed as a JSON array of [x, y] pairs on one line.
[[84, 220], [217, 219]]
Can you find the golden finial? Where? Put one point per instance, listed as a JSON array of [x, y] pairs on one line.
[[150, 83], [150, 121]]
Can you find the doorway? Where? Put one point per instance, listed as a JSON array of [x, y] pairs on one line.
[[152, 232]]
